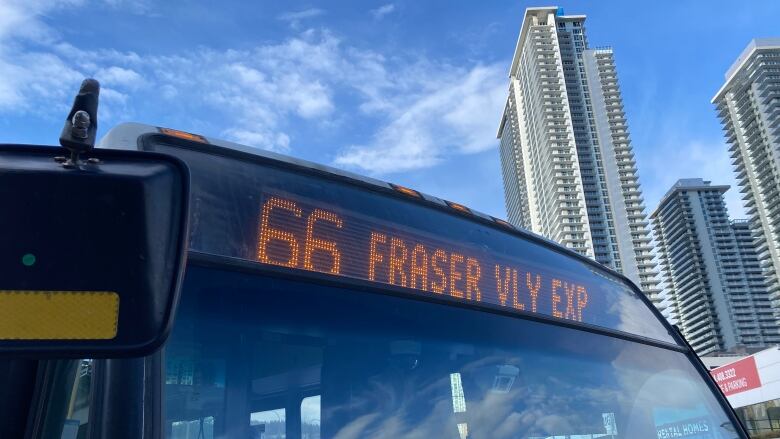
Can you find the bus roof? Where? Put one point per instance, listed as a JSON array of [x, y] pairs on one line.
[[126, 135]]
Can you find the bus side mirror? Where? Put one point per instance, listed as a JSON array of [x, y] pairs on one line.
[[91, 254]]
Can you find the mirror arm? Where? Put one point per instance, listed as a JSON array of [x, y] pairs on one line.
[[80, 129]]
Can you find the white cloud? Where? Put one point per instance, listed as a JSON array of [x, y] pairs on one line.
[[169, 92], [423, 111], [40, 71], [294, 18], [21, 19], [259, 90], [383, 10], [118, 76], [456, 115], [278, 142], [299, 15], [36, 82], [138, 7]]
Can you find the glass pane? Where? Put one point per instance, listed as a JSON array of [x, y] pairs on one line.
[[762, 420], [78, 407], [269, 424], [66, 413], [391, 367], [310, 417], [194, 429]]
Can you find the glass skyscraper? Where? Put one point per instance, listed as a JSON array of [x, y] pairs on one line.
[[711, 270], [568, 167], [748, 105]]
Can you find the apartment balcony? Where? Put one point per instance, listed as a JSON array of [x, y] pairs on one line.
[[742, 106], [768, 186], [773, 207], [617, 123], [582, 241], [559, 111], [773, 116], [645, 261], [616, 117], [741, 171], [775, 131], [775, 221], [747, 121], [722, 109], [563, 156], [743, 187], [641, 238], [731, 136], [767, 98], [688, 296], [690, 291], [739, 95], [768, 89], [698, 315], [629, 187], [765, 175], [546, 63], [703, 336], [635, 213], [544, 47], [753, 136]]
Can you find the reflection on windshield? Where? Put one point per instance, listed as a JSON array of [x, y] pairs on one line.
[[289, 356]]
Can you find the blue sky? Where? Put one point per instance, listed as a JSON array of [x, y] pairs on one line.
[[406, 91]]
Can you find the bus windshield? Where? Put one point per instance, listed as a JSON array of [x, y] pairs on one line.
[[259, 357]]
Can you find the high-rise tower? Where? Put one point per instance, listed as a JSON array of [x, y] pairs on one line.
[[710, 268], [748, 105], [568, 166]]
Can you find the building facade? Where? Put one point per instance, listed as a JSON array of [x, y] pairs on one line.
[[756, 313], [567, 162], [711, 269], [748, 106]]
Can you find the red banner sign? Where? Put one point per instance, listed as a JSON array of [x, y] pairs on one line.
[[737, 377]]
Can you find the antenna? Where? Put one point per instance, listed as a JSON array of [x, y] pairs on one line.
[[78, 134]]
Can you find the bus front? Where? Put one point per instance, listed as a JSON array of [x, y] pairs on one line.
[[312, 303], [318, 304]]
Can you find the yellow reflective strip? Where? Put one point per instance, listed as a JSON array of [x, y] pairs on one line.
[[58, 315]]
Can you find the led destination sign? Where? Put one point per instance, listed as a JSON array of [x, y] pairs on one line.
[[299, 235], [282, 217]]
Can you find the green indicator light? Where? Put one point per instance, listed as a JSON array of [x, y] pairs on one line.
[[28, 260]]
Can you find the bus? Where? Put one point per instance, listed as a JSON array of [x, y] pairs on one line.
[[316, 303]]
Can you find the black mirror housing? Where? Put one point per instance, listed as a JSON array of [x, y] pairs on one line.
[[91, 255]]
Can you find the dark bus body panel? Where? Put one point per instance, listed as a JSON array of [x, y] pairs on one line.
[[229, 215]]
